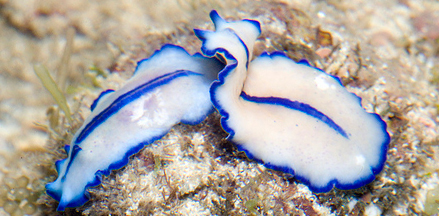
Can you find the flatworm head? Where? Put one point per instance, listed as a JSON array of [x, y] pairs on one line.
[[170, 87], [293, 117]]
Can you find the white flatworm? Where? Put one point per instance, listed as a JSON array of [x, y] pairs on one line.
[[169, 87], [291, 116]]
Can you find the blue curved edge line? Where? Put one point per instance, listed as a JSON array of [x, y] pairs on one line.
[[384, 146], [53, 193], [76, 149], [216, 18], [296, 105], [157, 52], [331, 184], [304, 62], [96, 101], [128, 97], [67, 148], [203, 36], [266, 54], [217, 83], [255, 23], [59, 163]]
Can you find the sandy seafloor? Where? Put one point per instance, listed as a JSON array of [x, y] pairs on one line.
[[384, 51]]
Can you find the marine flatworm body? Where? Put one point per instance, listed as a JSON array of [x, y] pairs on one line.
[[170, 87], [291, 116]]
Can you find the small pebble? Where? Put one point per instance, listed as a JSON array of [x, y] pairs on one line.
[[18, 212], [323, 52], [33, 197], [29, 208], [2, 201], [21, 193], [4, 190], [37, 185], [10, 182], [22, 181], [10, 206]]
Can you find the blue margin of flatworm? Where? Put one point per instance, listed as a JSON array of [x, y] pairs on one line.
[[78, 201], [157, 52], [96, 101], [215, 17], [225, 115]]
